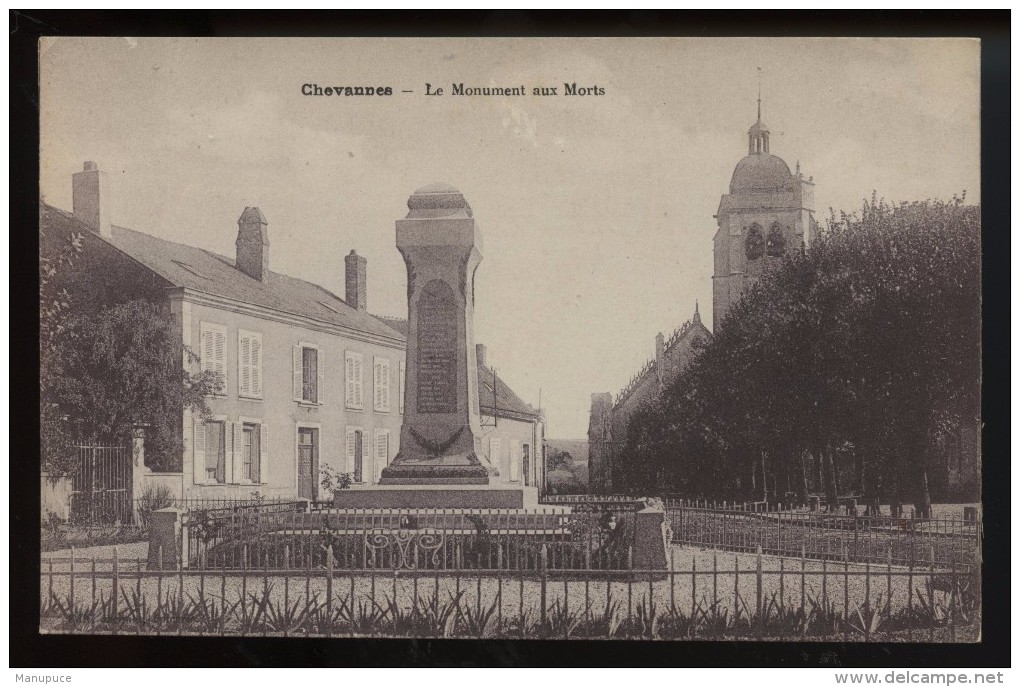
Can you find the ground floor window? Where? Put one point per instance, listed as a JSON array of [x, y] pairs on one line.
[[215, 452], [250, 452]]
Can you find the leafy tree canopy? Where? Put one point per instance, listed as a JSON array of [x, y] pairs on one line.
[[869, 341]]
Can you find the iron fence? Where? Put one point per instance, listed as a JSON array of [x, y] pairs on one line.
[[720, 596], [860, 539], [482, 539]]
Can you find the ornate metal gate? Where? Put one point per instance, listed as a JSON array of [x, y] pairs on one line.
[[101, 486]]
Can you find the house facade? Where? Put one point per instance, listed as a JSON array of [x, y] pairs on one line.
[[310, 381]]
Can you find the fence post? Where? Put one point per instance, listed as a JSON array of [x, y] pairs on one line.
[[543, 562], [137, 469], [167, 534], [757, 591], [329, 582], [116, 585]]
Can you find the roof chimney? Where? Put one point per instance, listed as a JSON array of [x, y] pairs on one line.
[[253, 243], [480, 354], [90, 191], [356, 276]]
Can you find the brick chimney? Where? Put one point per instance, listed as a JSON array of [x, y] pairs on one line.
[[356, 275], [480, 354], [253, 244], [90, 191]]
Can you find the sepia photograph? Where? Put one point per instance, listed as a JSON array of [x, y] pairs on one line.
[[639, 339]]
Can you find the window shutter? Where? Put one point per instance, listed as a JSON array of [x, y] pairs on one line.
[[264, 453], [297, 372], [353, 363], [244, 387], [319, 381], [199, 452], [515, 460], [256, 365], [235, 469], [208, 363], [382, 452], [349, 379], [349, 453], [359, 381], [494, 452], [219, 353], [400, 386], [376, 385], [381, 384]]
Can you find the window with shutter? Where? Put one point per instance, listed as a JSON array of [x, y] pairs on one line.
[[354, 382], [215, 452], [251, 454], [213, 347], [381, 385], [249, 364], [354, 458], [307, 374]]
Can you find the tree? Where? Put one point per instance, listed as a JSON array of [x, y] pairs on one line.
[[108, 371], [859, 351]]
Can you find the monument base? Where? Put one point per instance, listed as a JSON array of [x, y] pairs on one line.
[[437, 472], [419, 496]]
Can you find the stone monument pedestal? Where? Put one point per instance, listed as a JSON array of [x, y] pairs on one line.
[[440, 437]]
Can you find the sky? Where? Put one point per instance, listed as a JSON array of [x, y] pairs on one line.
[[596, 211]]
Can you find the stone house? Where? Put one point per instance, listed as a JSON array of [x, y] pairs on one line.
[[310, 379]]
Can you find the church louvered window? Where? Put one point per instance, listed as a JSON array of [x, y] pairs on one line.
[[775, 247], [754, 245]]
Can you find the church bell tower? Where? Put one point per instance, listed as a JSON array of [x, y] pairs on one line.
[[767, 214]]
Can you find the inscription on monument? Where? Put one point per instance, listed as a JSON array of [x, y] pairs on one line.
[[437, 349]]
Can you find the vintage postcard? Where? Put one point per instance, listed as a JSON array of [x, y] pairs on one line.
[[560, 338]]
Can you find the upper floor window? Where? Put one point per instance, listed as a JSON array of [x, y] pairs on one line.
[[214, 350], [354, 380], [249, 364], [381, 385], [307, 373]]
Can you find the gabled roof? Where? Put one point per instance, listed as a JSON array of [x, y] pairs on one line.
[[505, 403], [207, 272]]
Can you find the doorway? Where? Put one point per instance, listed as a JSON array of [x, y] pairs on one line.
[[527, 465], [308, 463]]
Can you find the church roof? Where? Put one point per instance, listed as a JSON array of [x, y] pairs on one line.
[[760, 172]]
